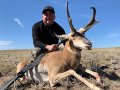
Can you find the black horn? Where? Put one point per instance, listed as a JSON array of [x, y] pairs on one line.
[[70, 20]]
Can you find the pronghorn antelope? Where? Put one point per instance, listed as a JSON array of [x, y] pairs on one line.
[[57, 65]]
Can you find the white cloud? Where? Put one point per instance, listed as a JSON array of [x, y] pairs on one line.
[[4, 45], [19, 22], [113, 35]]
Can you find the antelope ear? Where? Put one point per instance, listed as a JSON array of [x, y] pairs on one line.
[[62, 36]]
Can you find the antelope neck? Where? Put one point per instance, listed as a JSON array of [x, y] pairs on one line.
[[73, 51]]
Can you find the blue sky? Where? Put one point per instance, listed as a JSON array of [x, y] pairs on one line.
[[18, 16]]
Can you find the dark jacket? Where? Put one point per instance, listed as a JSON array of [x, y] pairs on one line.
[[43, 35]]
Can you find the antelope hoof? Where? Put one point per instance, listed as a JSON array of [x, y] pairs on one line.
[[99, 82]]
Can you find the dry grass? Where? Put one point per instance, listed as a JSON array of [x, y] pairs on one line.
[[107, 57]]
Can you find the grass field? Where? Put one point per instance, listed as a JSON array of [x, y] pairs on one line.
[[107, 59]]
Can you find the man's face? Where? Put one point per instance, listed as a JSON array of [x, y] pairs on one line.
[[48, 17]]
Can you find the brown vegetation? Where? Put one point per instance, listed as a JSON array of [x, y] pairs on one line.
[[107, 60]]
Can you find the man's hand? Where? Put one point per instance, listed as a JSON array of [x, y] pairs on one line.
[[52, 47]]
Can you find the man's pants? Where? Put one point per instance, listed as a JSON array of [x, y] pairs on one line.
[[36, 52]]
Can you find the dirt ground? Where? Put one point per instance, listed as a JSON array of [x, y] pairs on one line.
[[106, 61]]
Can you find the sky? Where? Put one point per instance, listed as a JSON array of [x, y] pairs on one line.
[[18, 16]]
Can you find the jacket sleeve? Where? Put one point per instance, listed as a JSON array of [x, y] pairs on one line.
[[35, 36]]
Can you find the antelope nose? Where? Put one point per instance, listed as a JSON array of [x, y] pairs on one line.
[[89, 44]]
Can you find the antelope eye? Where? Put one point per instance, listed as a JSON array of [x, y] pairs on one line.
[[73, 35]]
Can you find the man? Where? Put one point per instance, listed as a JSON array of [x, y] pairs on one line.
[[43, 32]]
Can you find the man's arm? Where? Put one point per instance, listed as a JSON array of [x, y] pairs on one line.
[[35, 36]]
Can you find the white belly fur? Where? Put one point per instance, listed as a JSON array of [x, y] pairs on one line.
[[38, 73]]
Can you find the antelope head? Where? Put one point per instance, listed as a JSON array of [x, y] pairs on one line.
[[78, 37]]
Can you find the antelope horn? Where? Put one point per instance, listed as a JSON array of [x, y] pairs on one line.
[[70, 21], [91, 22]]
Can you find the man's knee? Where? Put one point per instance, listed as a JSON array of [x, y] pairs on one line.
[[35, 52]]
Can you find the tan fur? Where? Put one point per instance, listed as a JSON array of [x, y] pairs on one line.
[[21, 65], [62, 60], [60, 64]]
